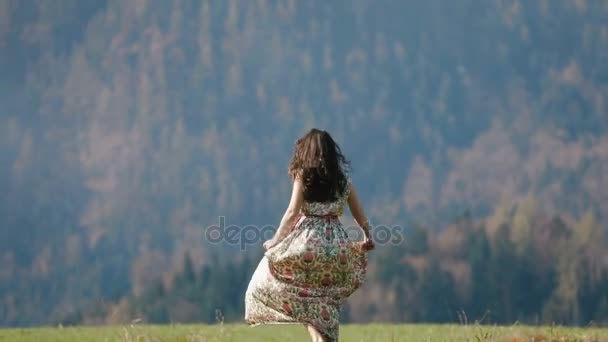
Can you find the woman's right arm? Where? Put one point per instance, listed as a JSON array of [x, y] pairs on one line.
[[357, 210]]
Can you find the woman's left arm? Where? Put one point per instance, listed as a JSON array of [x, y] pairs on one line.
[[291, 214]]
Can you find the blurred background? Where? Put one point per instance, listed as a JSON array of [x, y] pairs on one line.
[[129, 127]]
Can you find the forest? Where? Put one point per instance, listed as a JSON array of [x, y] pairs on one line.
[[127, 128]]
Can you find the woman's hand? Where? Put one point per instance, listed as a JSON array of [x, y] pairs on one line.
[[368, 244], [270, 243]]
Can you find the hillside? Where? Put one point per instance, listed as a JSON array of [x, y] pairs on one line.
[[128, 127]]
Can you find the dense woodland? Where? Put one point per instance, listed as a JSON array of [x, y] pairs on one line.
[[129, 127], [492, 271]]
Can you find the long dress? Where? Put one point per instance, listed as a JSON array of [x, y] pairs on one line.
[[306, 277]]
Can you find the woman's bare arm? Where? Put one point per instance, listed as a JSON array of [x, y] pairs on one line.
[[357, 210], [291, 214]]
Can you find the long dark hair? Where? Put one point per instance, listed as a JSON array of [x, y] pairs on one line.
[[319, 162]]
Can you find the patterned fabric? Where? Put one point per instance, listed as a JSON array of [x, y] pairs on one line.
[[306, 277]]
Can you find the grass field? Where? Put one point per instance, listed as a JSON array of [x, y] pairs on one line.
[[238, 332]]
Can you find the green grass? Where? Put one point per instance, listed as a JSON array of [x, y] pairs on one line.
[[239, 332]]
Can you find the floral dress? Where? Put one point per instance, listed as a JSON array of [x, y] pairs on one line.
[[307, 276]]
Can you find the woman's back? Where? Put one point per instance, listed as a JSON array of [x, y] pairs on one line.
[[335, 207]]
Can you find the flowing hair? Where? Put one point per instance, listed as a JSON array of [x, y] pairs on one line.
[[318, 161]]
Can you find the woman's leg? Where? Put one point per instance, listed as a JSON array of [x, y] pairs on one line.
[[315, 335], [325, 338]]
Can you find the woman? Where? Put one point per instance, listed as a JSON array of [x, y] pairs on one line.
[[310, 267]]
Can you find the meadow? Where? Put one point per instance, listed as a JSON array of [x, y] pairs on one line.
[[352, 332]]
